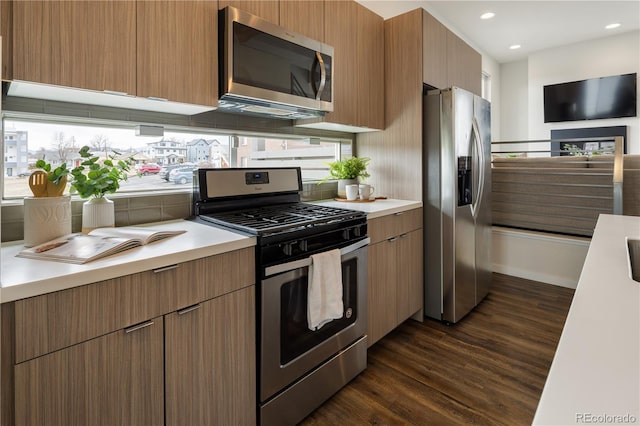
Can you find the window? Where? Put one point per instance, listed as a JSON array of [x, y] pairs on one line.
[[58, 141], [486, 86]]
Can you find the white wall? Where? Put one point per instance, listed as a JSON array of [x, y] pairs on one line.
[[514, 97], [612, 55]]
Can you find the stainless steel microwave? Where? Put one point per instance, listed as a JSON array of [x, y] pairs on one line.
[[267, 70]]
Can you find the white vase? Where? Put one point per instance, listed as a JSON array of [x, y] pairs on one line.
[[46, 218], [97, 213], [344, 182]]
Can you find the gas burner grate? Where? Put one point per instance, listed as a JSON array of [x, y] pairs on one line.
[[279, 217]]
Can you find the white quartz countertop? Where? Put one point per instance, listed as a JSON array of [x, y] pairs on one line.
[[21, 278], [375, 208], [595, 374]]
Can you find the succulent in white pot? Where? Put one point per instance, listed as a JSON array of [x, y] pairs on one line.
[[94, 179]]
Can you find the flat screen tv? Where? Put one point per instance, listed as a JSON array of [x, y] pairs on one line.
[[596, 98]]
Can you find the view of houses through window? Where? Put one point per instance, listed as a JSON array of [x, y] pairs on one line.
[[162, 162]]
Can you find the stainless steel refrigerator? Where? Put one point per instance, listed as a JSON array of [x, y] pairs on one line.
[[457, 186]]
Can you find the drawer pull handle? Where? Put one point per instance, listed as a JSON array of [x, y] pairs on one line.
[[404, 235], [166, 268], [398, 213], [392, 239], [189, 309], [138, 327]]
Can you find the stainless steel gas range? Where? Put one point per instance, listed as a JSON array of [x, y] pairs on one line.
[[298, 368]]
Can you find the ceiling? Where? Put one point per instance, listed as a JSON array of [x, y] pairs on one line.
[[535, 25]]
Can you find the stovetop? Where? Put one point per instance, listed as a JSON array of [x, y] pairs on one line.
[[279, 218]]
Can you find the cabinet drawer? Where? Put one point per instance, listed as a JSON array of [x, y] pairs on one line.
[[56, 320], [386, 227]]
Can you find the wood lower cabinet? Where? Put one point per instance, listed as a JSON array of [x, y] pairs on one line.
[[204, 385], [115, 379], [395, 272], [116, 351]]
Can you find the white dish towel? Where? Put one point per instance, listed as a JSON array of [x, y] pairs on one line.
[[324, 299]]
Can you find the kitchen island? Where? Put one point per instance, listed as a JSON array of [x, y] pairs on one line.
[[595, 374]]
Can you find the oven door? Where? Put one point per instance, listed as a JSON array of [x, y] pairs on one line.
[[288, 348]]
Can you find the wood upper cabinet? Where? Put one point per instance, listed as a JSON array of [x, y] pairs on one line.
[[6, 31], [357, 36], [116, 379], [434, 52], [340, 32], [177, 51], [464, 65], [266, 9], [447, 60], [303, 17], [81, 44], [370, 72], [210, 362]]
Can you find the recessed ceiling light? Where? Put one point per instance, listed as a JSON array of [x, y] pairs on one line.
[[612, 26], [515, 46], [487, 15]]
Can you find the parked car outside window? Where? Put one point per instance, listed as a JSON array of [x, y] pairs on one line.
[[149, 168], [165, 170], [182, 175]]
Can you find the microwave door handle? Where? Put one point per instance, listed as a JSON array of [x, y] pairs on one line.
[[323, 76]]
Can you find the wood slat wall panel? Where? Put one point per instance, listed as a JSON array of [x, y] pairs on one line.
[[554, 200], [553, 189]]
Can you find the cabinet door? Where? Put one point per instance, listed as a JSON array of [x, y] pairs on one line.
[[410, 272], [90, 45], [434, 52], [340, 32], [210, 362], [381, 295], [303, 17], [111, 380], [266, 9], [464, 65], [6, 31], [177, 51], [370, 73]]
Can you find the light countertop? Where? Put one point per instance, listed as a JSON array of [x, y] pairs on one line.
[[375, 208], [595, 374], [23, 278]]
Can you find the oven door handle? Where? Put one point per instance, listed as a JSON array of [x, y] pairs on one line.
[[297, 264]]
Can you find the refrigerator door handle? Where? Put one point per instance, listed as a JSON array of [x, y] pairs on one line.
[[479, 152]]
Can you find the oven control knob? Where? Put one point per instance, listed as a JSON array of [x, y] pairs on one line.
[[303, 245], [356, 231], [287, 249], [348, 313], [345, 234]]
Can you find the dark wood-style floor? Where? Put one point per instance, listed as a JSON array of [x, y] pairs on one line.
[[488, 369]]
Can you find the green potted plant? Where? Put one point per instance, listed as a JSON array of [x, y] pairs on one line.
[[348, 172], [94, 179]]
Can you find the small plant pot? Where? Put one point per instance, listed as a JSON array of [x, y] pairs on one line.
[[342, 193], [46, 218], [97, 213]]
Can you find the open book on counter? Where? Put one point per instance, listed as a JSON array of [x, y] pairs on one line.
[[99, 243]]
